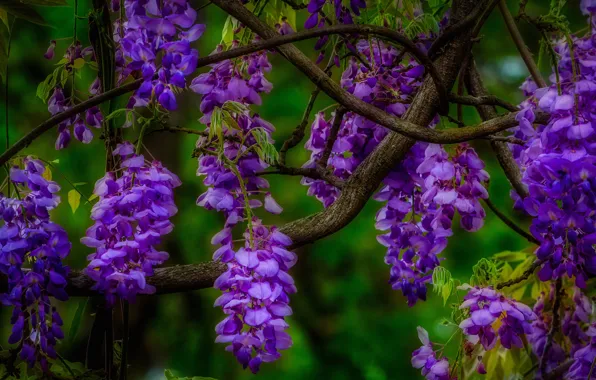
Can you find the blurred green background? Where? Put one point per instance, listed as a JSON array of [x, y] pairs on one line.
[[347, 322]]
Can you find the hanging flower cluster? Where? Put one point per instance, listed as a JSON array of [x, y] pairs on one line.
[[558, 162], [256, 285], [156, 41], [256, 290], [131, 216], [29, 239]]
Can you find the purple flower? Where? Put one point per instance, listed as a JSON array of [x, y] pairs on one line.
[[256, 287], [29, 238], [486, 306], [132, 215], [425, 358], [50, 52]]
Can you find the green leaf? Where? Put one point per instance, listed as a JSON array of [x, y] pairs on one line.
[[116, 113], [4, 38], [75, 324], [264, 148], [22, 11], [47, 174], [510, 256], [74, 200], [47, 86], [443, 283], [227, 34], [65, 368], [46, 3], [170, 376], [78, 63]]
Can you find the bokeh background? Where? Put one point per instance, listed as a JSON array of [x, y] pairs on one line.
[[347, 322]]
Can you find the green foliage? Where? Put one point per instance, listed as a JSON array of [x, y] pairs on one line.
[[443, 283], [45, 88], [24, 11], [4, 42], [75, 324], [170, 376], [74, 200], [264, 148], [485, 273], [227, 33]]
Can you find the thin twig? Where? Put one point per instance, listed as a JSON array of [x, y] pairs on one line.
[[339, 115], [521, 45], [553, 328], [488, 100], [510, 223], [306, 172], [527, 273]]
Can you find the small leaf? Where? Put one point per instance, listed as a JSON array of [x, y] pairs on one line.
[[92, 197], [47, 174], [56, 161], [4, 38], [510, 256], [46, 3], [74, 200], [227, 34], [76, 320], [78, 63], [22, 11]]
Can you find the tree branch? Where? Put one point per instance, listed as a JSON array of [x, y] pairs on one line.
[[521, 45], [510, 223], [363, 182], [485, 100], [527, 273], [339, 116], [504, 155], [233, 53]]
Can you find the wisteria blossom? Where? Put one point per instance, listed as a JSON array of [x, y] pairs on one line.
[[29, 239], [132, 215]]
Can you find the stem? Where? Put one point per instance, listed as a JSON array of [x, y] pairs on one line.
[[125, 322], [74, 41], [510, 223], [6, 84], [520, 44], [553, 328], [234, 169]]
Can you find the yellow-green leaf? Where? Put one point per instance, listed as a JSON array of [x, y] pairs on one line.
[[47, 174], [74, 200], [78, 63]]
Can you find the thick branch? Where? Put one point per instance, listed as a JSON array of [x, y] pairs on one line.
[[368, 176]]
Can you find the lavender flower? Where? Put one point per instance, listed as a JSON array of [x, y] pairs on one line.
[[131, 216], [256, 288], [29, 237], [486, 307], [425, 358]]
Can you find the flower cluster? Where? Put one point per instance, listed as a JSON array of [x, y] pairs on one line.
[[58, 103], [421, 197], [383, 82], [256, 288], [583, 359], [158, 29], [343, 14], [425, 358], [29, 237], [489, 308], [131, 216], [574, 327], [558, 162], [256, 285]]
